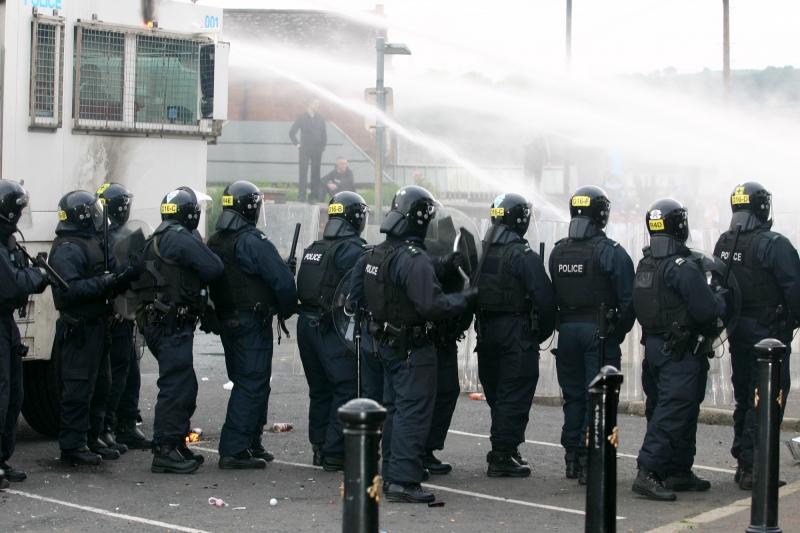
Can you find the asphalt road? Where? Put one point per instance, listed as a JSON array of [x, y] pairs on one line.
[[124, 496]]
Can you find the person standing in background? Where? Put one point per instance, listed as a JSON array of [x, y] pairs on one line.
[[310, 145]]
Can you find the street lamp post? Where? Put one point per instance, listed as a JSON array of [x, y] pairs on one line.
[[382, 48]]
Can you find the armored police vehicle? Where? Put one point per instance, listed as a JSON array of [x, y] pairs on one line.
[[102, 90]]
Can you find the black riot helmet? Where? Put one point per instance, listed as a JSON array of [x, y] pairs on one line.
[[513, 211], [751, 204], [590, 203], [13, 199], [80, 210], [181, 206], [244, 198], [346, 208], [117, 200], [668, 217], [413, 208]]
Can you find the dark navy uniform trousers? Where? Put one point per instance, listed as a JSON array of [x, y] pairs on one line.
[[10, 387], [447, 391]]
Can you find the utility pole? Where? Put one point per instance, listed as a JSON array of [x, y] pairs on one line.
[[726, 45], [569, 34]]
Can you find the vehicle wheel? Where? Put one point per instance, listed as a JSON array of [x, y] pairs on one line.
[[42, 404]]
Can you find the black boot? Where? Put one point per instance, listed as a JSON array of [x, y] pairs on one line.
[[571, 462], [189, 453], [650, 485], [317, 459], [12, 474], [80, 457], [332, 463], [744, 477], [110, 441], [686, 481], [583, 466], [259, 452], [3, 481], [101, 448], [408, 493], [503, 464], [518, 457], [129, 434], [241, 461], [434, 465], [168, 460]]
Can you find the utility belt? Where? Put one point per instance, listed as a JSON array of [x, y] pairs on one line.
[[402, 337], [74, 327], [531, 317], [682, 339], [587, 314], [776, 318], [170, 317]]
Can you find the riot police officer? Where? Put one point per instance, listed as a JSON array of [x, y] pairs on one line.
[[122, 407], [331, 369], [257, 285], [82, 331], [447, 335], [676, 308], [403, 299], [172, 295], [767, 268], [516, 311], [593, 281], [18, 280]]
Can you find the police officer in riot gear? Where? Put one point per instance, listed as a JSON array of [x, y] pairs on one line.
[[676, 307], [593, 281], [516, 311], [82, 330], [18, 280], [404, 299], [767, 268], [331, 369], [172, 297], [122, 407], [256, 285]]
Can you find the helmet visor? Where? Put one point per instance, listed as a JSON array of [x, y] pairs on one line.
[[96, 212], [24, 217]]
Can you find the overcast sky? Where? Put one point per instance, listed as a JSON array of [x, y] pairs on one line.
[[615, 36]]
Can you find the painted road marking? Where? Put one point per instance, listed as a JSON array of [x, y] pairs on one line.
[[103, 512], [554, 445], [448, 489], [719, 513]]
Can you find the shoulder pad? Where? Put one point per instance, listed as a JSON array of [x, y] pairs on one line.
[[565, 239], [413, 250]]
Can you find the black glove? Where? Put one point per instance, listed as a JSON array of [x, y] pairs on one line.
[[453, 261], [39, 289], [292, 264], [209, 322]]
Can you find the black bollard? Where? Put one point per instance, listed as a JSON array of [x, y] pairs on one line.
[[602, 439], [363, 420], [766, 468]]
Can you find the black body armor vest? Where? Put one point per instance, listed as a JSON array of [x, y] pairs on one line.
[[759, 287], [167, 283], [498, 290], [236, 289], [385, 301], [658, 307], [95, 266], [18, 260], [318, 278], [580, 285]]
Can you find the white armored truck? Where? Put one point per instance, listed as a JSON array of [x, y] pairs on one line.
[[130, 91]]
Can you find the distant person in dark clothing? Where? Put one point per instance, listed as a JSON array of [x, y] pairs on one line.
[[340, 179], [313, 138]]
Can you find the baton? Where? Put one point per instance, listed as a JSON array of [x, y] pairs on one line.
[[730, 259], [41, 262], [105, 237], [463, 274], [292, 253], [487, 242]]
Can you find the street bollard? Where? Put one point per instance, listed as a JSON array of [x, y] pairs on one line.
[[602, 439], [363, 420], [768, 400]]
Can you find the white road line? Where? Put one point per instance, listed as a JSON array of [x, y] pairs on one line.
[[554, 445], [719, 513], [448, 489], [95, 510]]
